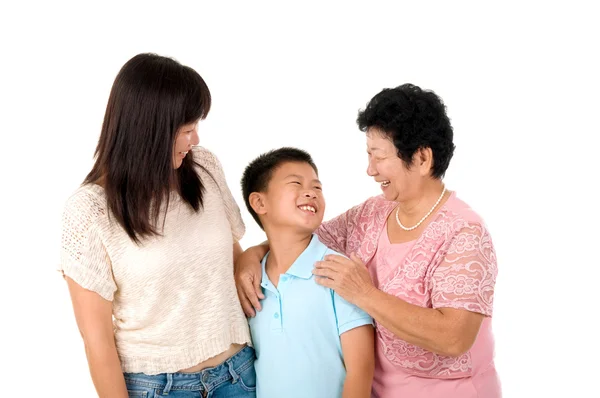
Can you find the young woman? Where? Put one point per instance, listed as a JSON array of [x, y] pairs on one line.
[[148, 245]]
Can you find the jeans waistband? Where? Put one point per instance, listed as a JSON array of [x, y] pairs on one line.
[[205, 379]]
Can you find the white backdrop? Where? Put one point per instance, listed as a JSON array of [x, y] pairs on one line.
[[520, 82]]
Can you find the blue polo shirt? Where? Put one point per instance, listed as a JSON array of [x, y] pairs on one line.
[[297, 333]]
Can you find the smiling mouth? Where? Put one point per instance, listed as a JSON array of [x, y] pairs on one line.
[[309, 208], [385, 183]]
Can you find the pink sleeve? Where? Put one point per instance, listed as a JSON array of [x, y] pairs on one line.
[[335, 232], [466, 277]]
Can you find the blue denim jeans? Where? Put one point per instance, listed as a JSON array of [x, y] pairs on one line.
[[234, 378]]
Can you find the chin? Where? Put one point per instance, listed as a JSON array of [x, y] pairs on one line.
[[391, 196], [308, 228]]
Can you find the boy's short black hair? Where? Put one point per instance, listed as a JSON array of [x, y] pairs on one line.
[[259, 172]]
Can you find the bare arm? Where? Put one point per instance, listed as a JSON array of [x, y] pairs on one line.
[[94, 319], [461, 296], [237, 250], [248, 275], [445, 331], [358, 348]]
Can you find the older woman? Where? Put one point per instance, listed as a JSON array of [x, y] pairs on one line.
[[422, 263]]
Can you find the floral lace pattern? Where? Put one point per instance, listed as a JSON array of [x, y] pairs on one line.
[[452, 265]]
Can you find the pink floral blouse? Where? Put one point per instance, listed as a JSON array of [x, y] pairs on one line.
[[452, 265]]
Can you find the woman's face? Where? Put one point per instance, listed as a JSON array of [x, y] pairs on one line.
[[187, 136], [397, 182]]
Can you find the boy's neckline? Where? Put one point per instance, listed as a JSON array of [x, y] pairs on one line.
[[284, 254], [285, 251]]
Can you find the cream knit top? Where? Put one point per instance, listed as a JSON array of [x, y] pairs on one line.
[[174, 298]]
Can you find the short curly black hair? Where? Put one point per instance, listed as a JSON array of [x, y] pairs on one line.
[[259, 172], [413, 119]]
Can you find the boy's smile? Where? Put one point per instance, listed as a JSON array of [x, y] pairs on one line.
[[294, 185], [309, 208]]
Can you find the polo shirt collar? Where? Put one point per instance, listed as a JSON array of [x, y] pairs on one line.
[[304, 264]]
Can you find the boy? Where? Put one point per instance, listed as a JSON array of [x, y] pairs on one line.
[[309, 341]]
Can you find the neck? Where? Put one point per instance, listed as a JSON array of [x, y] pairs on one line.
[[174, 183], [416, 207], [285, 247]]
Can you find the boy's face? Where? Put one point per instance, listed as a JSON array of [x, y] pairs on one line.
[[294, 198]]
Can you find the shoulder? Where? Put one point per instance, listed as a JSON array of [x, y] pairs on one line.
[[321, 250], [458, 221], [328, 252], [371, 215], [205, 158], [462, 213], [372, 207], [84, 216], [378, 203], [87, 203]]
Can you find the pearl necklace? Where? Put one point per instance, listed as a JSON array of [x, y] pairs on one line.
[[424, 217]]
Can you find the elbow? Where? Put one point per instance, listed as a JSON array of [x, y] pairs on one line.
[[458, 332], [367, 371], [455, 351], [97, 342], [456, 346]]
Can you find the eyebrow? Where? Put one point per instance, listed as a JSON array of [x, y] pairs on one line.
[[301, 178]]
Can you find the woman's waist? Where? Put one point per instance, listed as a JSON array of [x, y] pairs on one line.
[[242, 358], [169, 353], [216, 360]]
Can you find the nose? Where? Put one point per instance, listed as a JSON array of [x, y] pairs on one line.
[[371, 171], [310, 194], [194, 138]]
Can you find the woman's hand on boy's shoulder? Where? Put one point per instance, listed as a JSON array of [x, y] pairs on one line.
[[348, 277]]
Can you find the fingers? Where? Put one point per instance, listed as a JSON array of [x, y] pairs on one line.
[[324, 273], [257, 288], [327, 265], [355, 258], [248, 296], [334, 258], [324, 281], [352, 261], [246, 305], [250, 291]]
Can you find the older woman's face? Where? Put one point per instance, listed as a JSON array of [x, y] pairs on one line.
[[396, 180]]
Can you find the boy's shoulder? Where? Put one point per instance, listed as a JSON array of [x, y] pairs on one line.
[[328, 252], [325, 250]]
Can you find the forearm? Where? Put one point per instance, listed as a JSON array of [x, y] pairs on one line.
[[237, 251], [359, 358], [259, 251], [358, 385], [427, 328], [105, 369]]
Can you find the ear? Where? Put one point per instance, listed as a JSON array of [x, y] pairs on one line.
[[258, 203], [424, 161]]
